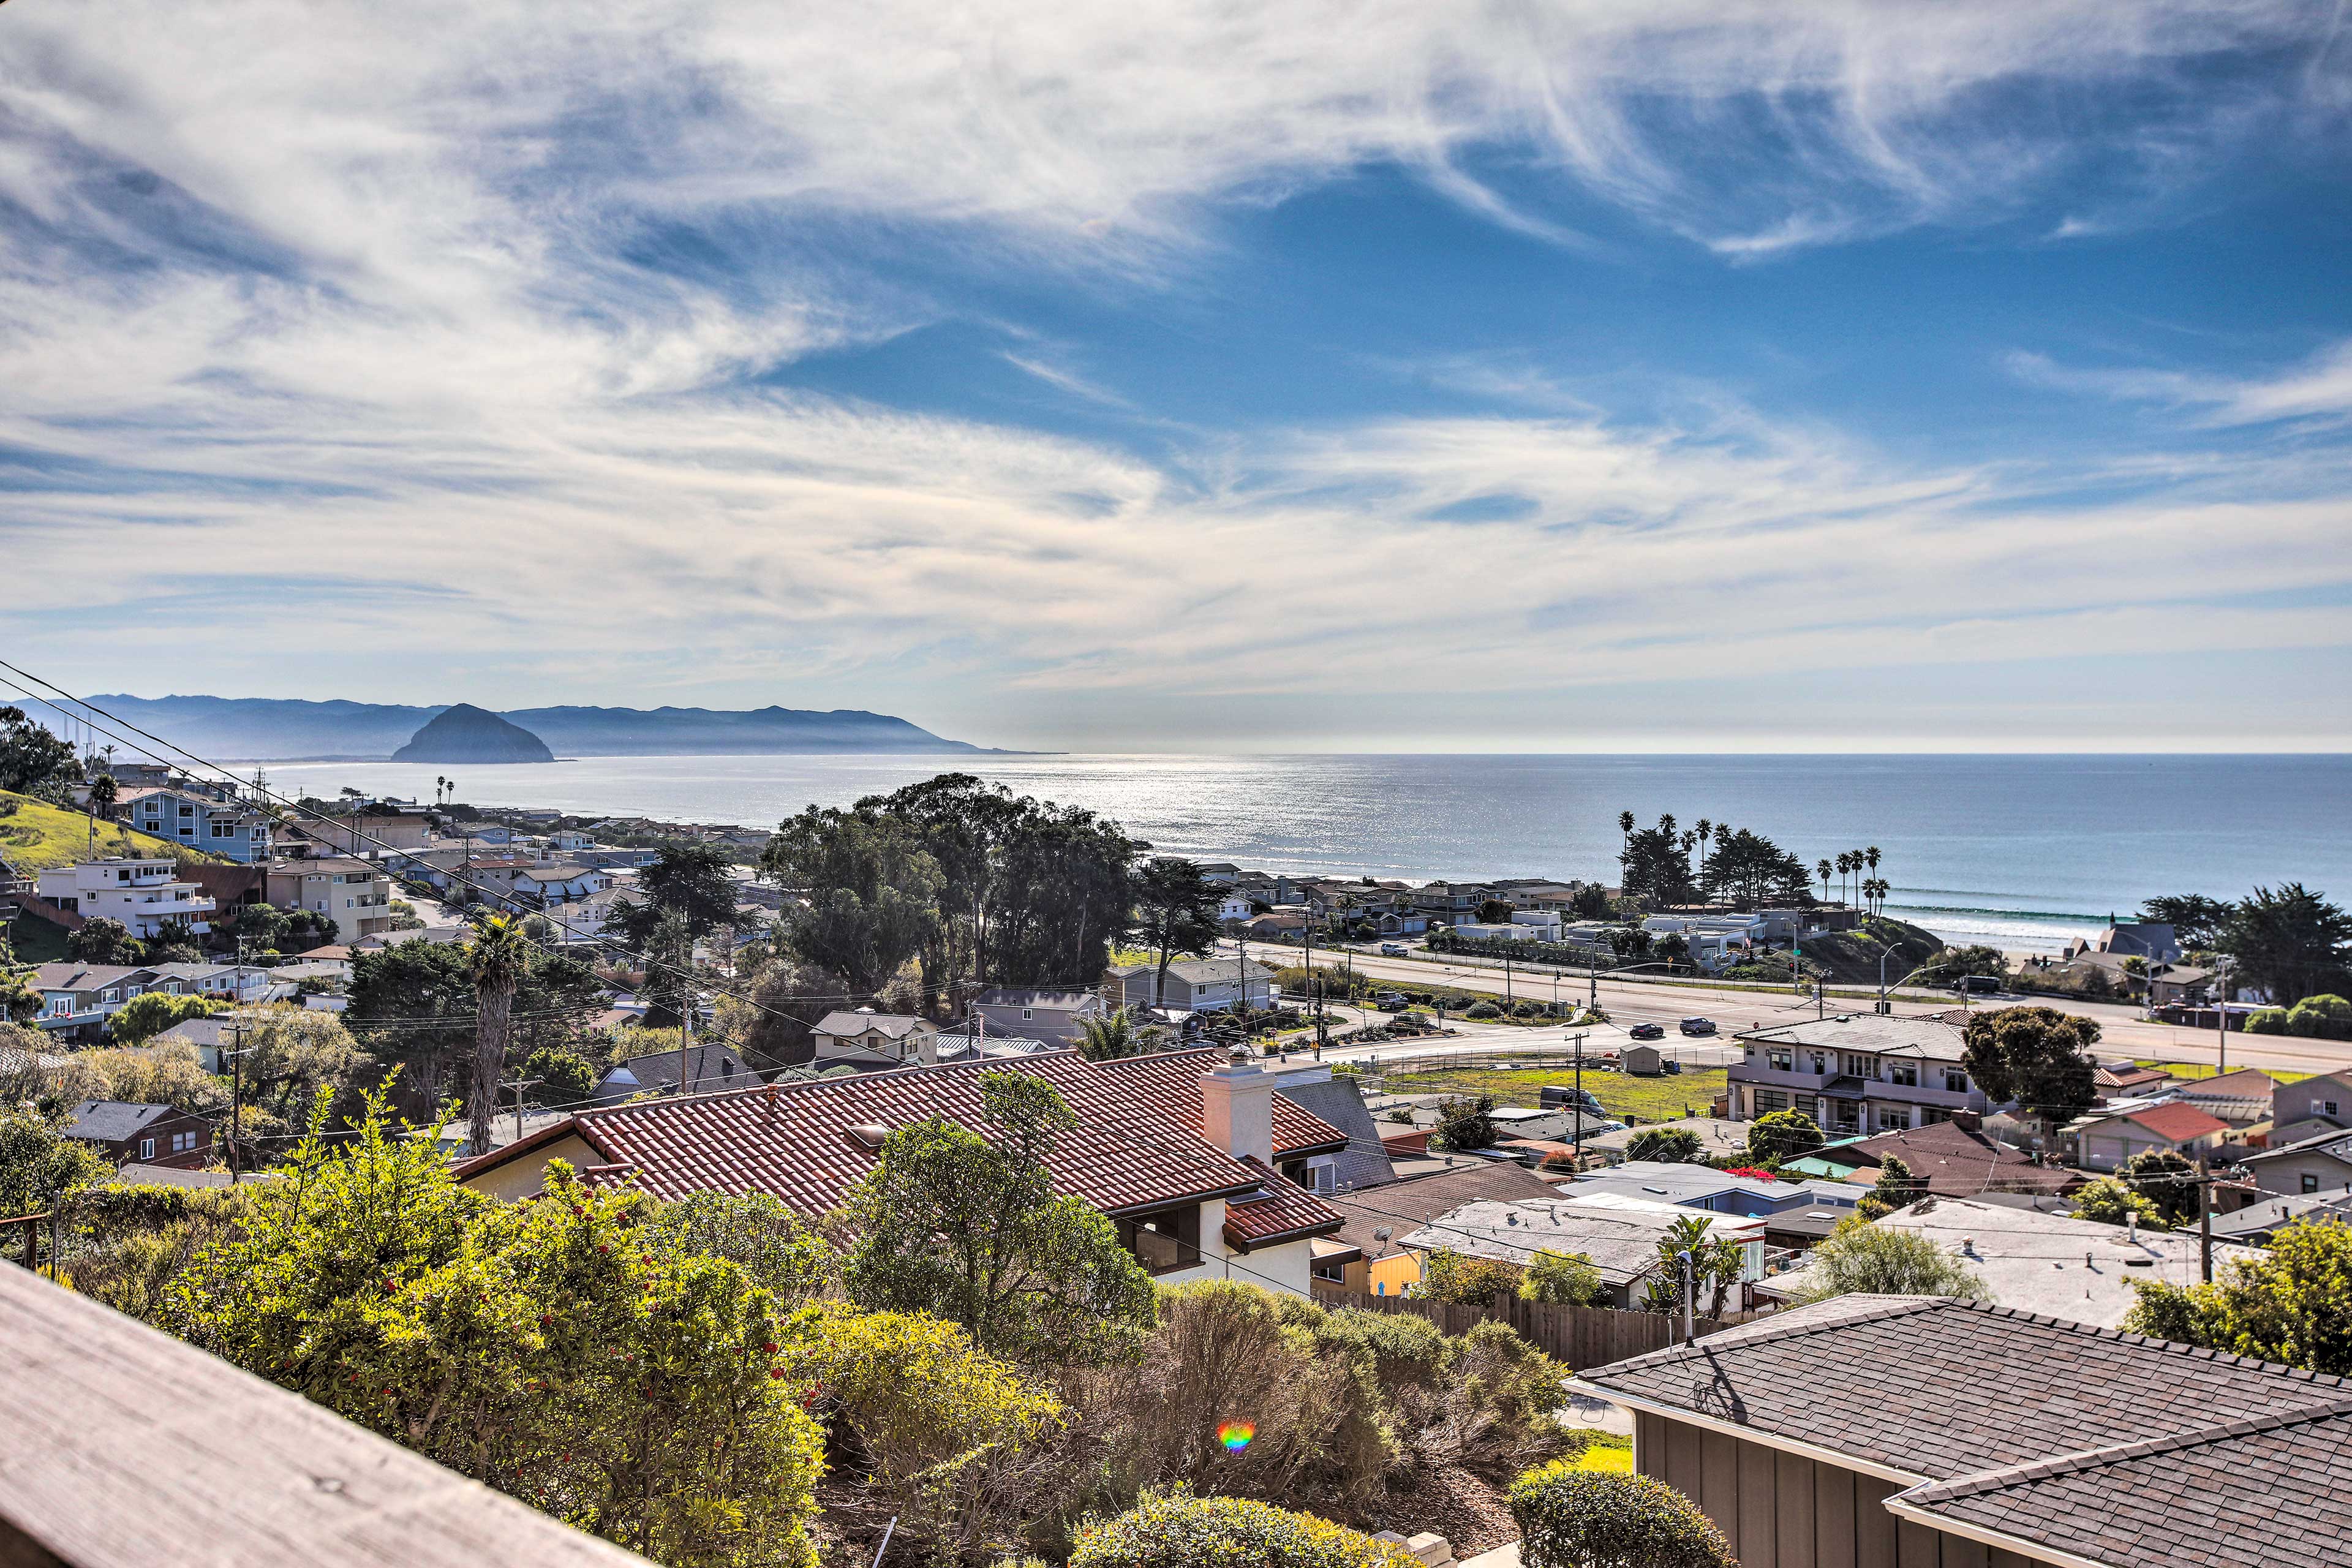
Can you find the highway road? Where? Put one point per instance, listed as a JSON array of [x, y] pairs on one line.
[[2122, 1033]]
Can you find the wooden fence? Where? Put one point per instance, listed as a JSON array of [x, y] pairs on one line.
[[1580, 1336]]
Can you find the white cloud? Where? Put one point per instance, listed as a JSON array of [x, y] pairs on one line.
[[2320, 388], [336, 298]]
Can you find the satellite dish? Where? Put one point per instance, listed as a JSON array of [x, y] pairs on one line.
[[1382, 1234]]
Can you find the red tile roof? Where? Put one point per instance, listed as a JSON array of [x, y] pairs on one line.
[[1131, 1150], [2176, 1121], [1283, 1212], [1172, 1080]]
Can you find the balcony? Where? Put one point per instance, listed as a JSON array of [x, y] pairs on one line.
[[124, 1448]]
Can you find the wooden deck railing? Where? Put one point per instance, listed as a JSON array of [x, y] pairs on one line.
[[121, 1447]]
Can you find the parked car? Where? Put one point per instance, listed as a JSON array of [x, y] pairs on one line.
[[1648, 1031], [1392, 949], [1562, 1097], [1390, 1001], [1977, 986], [1699, 1026]]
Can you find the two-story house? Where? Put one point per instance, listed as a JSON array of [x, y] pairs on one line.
[[78, 998], [146, 895], [356, 894], [1056, 1018], [1453, 902], [1855, 1073], [134, 1134], [231, 829]]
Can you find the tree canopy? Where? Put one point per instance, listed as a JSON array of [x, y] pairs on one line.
[[2038, 1057], [2291, 1304], [872, 891], [31, 757], [2196, 921], [686, 878], [1862, 1259], [1780, 1135], [968, 1228], [2292, 943], [1175, 912]]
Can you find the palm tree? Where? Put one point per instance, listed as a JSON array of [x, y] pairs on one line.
[[1625, 827], [1821, 870], [1108, 1038], [103, 796], [498, 960], [1869, 859]]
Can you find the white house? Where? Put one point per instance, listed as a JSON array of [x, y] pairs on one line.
[[1055, 1017], [145, 895], [1196, 984]]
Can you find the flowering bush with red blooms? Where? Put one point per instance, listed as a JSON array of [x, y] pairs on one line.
[[552, 1349], [1761, 1176]]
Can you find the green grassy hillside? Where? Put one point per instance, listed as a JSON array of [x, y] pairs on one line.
[[36, 835], [1851, 956]]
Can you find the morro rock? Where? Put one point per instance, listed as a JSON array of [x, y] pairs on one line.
[[469, 734]]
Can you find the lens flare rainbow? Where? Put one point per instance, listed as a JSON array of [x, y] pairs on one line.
[[1235, 1436]]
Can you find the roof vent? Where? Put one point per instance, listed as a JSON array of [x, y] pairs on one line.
[[868, 1134]]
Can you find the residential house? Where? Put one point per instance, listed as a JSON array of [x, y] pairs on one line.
[[1220, 873], [145, 894], [209, 1035], [222, 981], [1924, 1432], [1619, 1235], [2052, 1264], [1195, 985], [1232, 908], [706, 1068], [369, 831], [1501, 930], [2240, 1098], [1366, 1256], [895, 1040], [2104, 1141], [2179, 986], [1544, 922], [199, 820], [78, 998], [2151, 940], [355, 894], [1717, 1139], [1277, 925], [1453, 902], [2299, 1111], [1856, 1073], [1055, 1015], [1180, 1150], [1953, 1161], [1717, 1192], [132, 1134], [2256, 1223], [1401, 923], [2319, 1164], [2114, 1079]]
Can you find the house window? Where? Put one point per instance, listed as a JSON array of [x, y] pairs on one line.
[[1769, 1100], [1820, 1063], [146, 1148], [1893, 1118], [1955, 1081], [1906, 1074], [1777, 1059], [1322, 1174], [1930, 1115], [1860, 1066], [2310, 1184], [1165, 1242], [1027, 1014], [2327, 1108], [1333, 1273]]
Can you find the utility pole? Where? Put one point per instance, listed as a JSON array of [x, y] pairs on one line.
[[235, 1098], [2220, 1027], [1690, 1296], [1579, 1104], [519, 1085], [2205, 1217]]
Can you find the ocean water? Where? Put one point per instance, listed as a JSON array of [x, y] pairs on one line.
[[2019, 851]]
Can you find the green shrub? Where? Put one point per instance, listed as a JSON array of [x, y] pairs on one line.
[[1483, 1011], [2266, 1021], [1475, 1281], [2324, 1017], [1175, 1530], [1568, 1277], [1404, 1347], [1571, 1518]]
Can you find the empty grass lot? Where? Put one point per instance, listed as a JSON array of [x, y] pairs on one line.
[[2207, 1069], [1649, 1099]]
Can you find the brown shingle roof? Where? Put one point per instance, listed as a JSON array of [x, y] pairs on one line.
[[1131, 1150], [1400, 1206], [2176, 1121], [2269, 1489], [1957, 1162], [2111, 1445]]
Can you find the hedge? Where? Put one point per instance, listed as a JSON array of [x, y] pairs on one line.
[[1176, 1530], [1571, 1518]]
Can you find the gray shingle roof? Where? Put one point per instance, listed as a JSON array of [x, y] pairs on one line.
[[111, 1120], [710, 1067], [1364, 1162], [2113, 1446], [1912, 1036]]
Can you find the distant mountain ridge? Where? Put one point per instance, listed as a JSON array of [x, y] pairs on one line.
[[469, 734], [256, 729]]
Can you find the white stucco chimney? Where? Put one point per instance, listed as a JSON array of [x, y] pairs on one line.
[[1237, 1107]]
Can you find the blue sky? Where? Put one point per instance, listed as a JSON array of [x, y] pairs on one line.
[[1672, 376]]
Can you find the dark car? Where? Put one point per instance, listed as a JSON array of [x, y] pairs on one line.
[[1699, 1026], [1977, 986], [1648, 1031]]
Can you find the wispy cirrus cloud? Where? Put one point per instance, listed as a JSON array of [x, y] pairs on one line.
[[490, 295], [2317, 388]]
